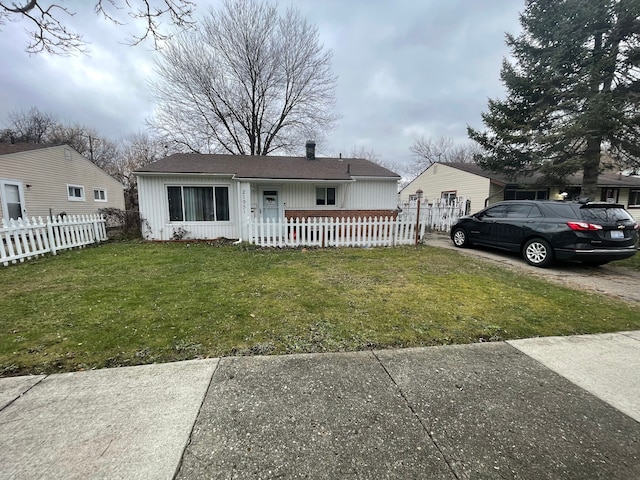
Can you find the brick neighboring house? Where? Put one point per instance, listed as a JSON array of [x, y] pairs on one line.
[[43, 180], [483, 188], [214, 196]]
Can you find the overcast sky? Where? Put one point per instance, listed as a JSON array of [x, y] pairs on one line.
[[406, 69]]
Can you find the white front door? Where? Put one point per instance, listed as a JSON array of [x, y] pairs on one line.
[[270, 205], [12, 198]]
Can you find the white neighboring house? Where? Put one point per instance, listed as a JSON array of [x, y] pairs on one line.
[[40, 181], [483, 188], [200, 196]]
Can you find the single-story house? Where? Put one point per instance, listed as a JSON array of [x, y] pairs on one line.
[[482, 187], [212, 196], [43, 180]]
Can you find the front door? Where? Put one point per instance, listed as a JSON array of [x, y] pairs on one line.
[[12, 199], [270, 205]]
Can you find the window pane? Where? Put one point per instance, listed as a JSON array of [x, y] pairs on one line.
[[198, 204], [331, 196], [497, 212], [604, 214], [175, 203], [13, 193], [320, 200], [519, 211], [14, 207], [222, 204]]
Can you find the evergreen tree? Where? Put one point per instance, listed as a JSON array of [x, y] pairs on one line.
[[573, 93]]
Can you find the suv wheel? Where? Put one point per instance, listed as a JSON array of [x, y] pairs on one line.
[[460, 238], [538, 252]]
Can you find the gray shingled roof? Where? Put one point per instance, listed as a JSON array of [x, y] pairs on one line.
[[605, 179], [8, 148], [268, 167]]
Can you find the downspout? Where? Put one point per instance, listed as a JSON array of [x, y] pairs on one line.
[[501, 192], [239, 203], [486, 200]]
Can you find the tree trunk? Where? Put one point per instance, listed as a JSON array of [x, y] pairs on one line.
[[591, 169]]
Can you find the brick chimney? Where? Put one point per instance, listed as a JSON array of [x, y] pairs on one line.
[[311, 149]]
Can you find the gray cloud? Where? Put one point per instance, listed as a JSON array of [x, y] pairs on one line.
[[405, 69]]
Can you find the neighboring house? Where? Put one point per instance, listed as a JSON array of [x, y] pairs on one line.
[[483, 188], [215, 196], [40, 181]]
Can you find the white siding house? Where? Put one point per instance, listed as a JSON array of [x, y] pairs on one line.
[[483, 188], [194, 196], [39, 181]]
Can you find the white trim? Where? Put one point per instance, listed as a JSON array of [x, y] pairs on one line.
[[213, 187], [3, 196], [99, 189], [73, 198], [267, 188]]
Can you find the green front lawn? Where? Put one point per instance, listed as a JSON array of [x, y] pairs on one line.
[[132, 303]]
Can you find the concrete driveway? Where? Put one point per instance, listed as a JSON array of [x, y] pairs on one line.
[[609, 279]]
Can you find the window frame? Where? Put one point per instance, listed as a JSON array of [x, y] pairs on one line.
[[613, 198], [326, 196], [449, 196], [216, 202], [525, 194], [73, 198], [100, 190], [637, 199], [4, 203]]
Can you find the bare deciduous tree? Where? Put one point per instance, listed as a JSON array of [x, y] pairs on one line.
[[249, 81], [85, 141], [51, 34], [442, 149], [30, 126], [34, 126], [135, 150]]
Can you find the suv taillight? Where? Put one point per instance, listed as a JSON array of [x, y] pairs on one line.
[[583, 226]]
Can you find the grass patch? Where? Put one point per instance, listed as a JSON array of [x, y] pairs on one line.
[[132, 303], [632, 263]]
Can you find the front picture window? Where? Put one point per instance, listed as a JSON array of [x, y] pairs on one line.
[[198, 204]]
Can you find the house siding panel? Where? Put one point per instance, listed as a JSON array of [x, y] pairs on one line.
[[361, 197], [45, 174], [154, 209], [440, 178]]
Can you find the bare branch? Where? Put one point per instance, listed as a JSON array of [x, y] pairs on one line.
[[248, 82], [50, 33]]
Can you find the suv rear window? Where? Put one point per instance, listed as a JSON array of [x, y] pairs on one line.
[[604, 214]]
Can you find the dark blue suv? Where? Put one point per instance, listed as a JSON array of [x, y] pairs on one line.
[[545, 230]]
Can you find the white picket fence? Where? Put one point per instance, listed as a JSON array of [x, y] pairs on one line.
[[437, 214], [24, 239], [356, 232]]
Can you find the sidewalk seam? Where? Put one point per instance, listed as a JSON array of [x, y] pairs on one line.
[[24, 393], [415, 414], [186, 446]]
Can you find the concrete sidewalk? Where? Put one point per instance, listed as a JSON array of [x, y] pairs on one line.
[[551, 408]]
